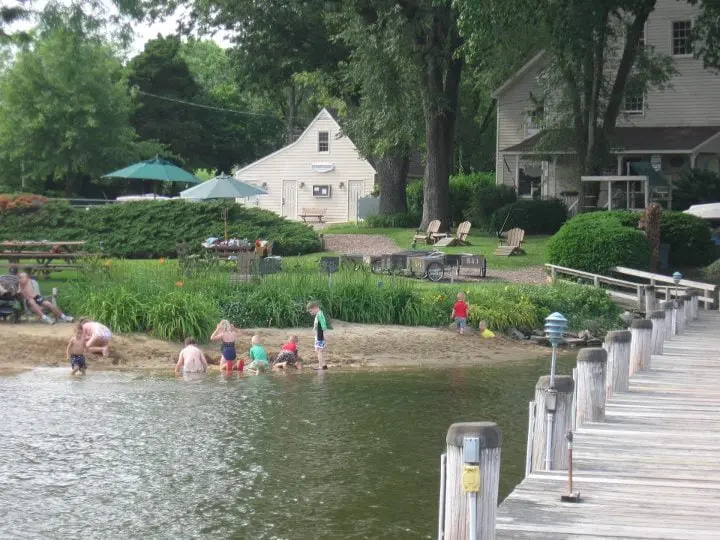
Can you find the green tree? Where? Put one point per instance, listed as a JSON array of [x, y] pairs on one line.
[[64, 113]]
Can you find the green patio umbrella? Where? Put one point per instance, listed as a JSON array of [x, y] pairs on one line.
[[222, 187], [155, 169]]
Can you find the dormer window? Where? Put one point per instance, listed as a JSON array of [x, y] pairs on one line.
[[323, 141]]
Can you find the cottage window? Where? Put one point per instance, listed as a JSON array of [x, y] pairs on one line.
[[682, 38], [634, 100], [323, 141]]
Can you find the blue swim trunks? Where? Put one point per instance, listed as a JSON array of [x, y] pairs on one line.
[[461, 322], [78, 360], [319, 344]]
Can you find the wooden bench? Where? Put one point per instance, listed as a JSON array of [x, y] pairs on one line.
[[318, 213]]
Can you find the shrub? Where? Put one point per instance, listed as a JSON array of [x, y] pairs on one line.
[[712, 272], [403, 221], [462, 187], [534, 216], [485, 201], [596, 245], [21, 201], [696, 187], [689, 238], [154, 228]]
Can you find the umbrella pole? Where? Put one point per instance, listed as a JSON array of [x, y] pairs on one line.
[[225, 216]]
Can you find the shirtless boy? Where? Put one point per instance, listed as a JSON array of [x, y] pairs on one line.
[[75, 352]]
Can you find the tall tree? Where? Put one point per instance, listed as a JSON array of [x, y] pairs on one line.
[[64, 112]]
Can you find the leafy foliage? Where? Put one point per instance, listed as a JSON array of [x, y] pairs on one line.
[[463, 190], [403, 221], [689, 238], [155, 228], [485, 201], [696, 187], [534, 216], [596, 245]]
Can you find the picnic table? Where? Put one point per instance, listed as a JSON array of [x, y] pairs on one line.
[[47, 256]]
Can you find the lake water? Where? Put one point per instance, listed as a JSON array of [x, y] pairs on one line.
[[328, 455]]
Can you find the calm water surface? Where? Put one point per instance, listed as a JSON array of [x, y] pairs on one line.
[[330, 455]]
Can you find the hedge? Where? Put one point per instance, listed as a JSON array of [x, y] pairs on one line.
[[147, 229], [462, 187], [598, 245], [485, 201], [534, 216]]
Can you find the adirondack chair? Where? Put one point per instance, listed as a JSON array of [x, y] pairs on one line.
[[510, 245], [460, 238], [427, 236]]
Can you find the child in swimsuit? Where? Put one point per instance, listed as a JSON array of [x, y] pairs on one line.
[[75, 352], [288, 356], [227, 334], [97, 336], [258, 356]]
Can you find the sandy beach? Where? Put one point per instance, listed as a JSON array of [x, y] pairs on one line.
[[29, 344]]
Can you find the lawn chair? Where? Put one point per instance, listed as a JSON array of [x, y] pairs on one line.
[[460, 238], [427, 237], [510, 245]]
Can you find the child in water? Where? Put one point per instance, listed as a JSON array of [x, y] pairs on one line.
[[227, 334], [484, 332], [288, 356], [460, 313], [257, 356], [75, 352]]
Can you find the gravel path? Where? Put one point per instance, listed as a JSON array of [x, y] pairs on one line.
[[360, 244], [529, 274]]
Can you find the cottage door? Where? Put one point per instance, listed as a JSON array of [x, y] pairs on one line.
[[289, 199], [355, 192]]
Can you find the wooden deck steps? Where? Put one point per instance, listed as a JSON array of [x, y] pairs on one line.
[[652, 470]]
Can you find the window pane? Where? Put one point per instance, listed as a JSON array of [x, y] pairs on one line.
[[681, 43], [323, 141]]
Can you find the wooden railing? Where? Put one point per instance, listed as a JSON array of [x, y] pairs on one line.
[[671, 289], [624, 292]]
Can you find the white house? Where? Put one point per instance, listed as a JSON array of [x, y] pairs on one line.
[[667, 131], [322, 170]]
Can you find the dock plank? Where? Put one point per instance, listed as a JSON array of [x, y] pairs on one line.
[[652, 470]]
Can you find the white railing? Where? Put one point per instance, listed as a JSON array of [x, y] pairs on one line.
[[622, 291], [681, 287]]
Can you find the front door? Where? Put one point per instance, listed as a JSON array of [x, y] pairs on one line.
[[289, 199], [355, 192]]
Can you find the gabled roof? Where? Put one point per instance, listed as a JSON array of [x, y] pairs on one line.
[[519, 73], [682, 139], [324, 112]]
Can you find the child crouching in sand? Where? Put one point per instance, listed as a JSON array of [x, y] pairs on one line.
[[288, 356], [484, 332], [75, 352], [257, 356]]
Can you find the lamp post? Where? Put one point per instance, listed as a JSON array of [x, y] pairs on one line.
[[555, 326], [677, 276]]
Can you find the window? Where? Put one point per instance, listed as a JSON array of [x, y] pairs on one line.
[[323, 141], [634, 99], [682, 38]]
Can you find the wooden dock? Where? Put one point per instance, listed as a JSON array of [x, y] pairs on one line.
[[652, 470]]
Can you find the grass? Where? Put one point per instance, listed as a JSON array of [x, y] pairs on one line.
[[480, 244]]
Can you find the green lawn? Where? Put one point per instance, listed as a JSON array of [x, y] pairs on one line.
[[481, 244]]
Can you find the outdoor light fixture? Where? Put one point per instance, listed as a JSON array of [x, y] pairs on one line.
[[342, 185], [302, 185], [555, 326], [677, 276]]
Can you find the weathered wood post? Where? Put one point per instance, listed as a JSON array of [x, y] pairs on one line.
[[695, 304], [650, 300], [555, 402], [669, 307], [658, 331], [679, 316], [617, 345], [640, 345], [591, 385], [458, 508], [687, 298]]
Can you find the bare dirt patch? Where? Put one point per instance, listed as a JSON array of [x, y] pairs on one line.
[[29, 345]]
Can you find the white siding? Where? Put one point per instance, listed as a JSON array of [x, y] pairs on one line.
[[294, 162], [694, 96]]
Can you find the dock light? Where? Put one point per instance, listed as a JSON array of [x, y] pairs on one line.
[[677, 276], [555, 326]]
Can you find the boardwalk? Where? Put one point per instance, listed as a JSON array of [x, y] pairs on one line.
[[652, 470]]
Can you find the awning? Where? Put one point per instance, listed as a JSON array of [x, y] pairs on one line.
[[624, 140]]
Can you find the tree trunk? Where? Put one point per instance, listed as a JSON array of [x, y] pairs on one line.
[[439, 133], [392, 171], [291, 114]]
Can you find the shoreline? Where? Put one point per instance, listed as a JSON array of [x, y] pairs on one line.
[[351, 347]]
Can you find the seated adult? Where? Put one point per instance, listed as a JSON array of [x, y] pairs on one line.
[[36, 302], [191, 359], [97, 336]]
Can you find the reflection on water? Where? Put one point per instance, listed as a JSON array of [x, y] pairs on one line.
[[334, 455]]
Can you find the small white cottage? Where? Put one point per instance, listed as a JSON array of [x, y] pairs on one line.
[[320, 173]]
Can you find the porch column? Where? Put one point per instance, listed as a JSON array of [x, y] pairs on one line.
[[646, 185], [609, 195], [693, 159], [619, 162], [517, 174]]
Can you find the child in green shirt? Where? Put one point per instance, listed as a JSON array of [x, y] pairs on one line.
[[257, 356], [319, 326]]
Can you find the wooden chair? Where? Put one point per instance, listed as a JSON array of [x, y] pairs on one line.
[[432, 229], [510, 245], [460, 238]]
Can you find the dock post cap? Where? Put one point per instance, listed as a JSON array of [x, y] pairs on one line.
[[641, 324], [489, 434], [592, 354], [563, 383], [657, 314], [619, 336]]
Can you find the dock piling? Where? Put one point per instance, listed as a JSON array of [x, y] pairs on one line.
[[553, 416], [617, 345], [658, 331], [591, 385], [640, 345]]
